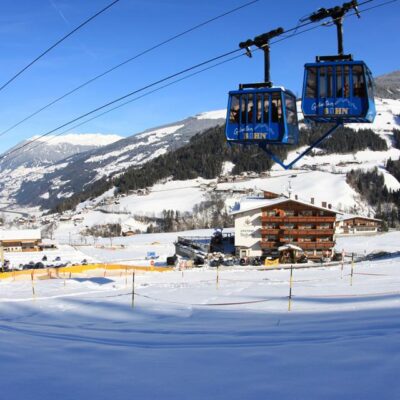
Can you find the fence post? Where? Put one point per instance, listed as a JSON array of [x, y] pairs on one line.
[[290, 287], [33, 285], [181, 268], [133, 289], [217, 276], [352, 268], [341, 273], [126, 276]]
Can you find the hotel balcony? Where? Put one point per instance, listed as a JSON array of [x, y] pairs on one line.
[[298, 218], [303, 245]]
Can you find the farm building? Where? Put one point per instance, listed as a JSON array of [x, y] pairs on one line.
[[20, 240], [355, 224], [262, 225]]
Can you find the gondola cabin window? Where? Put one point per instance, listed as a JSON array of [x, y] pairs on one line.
[[358, 81], [234, 112], [291, 114], [276, 108], [266, 109], [311, 91]]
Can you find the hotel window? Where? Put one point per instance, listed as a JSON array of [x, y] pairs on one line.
[[306, 226], [270, 238], [270, 213], [306, 213], [324, 226]]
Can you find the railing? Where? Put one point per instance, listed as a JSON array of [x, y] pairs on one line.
[[303, 245], [308, 231], [272, 231], [287, 219], [315, 245], [269, 245]]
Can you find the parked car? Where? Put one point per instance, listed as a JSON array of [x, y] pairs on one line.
[[228, 262], [214, 263], [198, 260], [256, 261], [172, 260], [58, 264], [337, 257], [302, 259], [244, 261], [38, 265], [30, 265]]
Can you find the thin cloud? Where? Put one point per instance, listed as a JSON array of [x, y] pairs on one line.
[[60, 13]]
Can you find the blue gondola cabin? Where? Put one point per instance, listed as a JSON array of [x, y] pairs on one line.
[[338, 91], [262, 116]]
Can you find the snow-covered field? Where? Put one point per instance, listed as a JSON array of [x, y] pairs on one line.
[[63, 254], [189, 338]]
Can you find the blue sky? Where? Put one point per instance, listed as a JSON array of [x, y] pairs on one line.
[[28, 27]]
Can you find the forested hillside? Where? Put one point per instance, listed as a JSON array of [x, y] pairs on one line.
[[204, 155]]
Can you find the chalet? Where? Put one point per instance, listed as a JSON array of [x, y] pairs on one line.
[[20, 240], [262, 225], [128, 232], [349, 224]]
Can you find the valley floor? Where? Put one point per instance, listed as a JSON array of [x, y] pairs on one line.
[[189, 338]]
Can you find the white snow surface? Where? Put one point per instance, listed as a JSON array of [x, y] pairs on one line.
[[173, 195], [227, 167], [81, 139], [157, 134], [217, 114], [187, 338]]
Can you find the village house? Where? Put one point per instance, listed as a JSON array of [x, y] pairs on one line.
[[20, 240], [263, 225], [349, 224]]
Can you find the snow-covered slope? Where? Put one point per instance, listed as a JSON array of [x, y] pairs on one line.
[[30, 160], [387, 119], [388, 85], [189, 338], [62, 167], [44, 151]]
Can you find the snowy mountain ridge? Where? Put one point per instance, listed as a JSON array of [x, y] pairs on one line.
[[63, 167], [78, 139]]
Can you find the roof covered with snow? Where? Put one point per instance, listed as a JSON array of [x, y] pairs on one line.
[[250, 204], [20, 234], [345, 217]]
